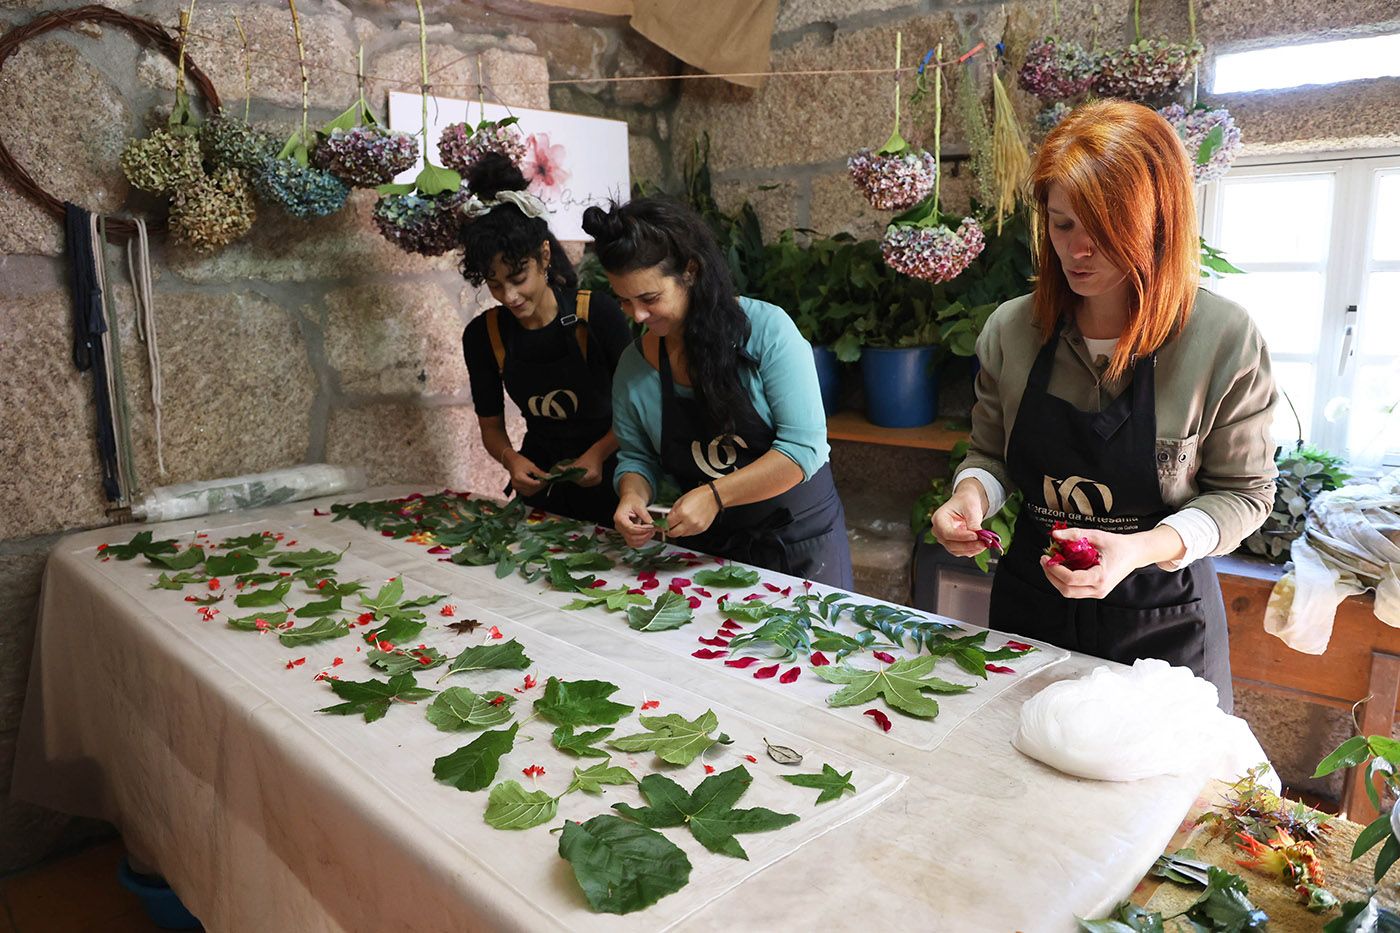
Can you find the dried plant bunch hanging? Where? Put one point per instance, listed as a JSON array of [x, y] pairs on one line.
[[168, 157], [1211, 137], [360, 151], [897, 175], [212, 212], [1011, 159], [1150, 70], [231, 141], [919, 243]]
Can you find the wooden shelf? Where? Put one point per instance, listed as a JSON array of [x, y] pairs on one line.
[[852, 426]]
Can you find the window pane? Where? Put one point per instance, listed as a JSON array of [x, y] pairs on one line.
[[1387, 242], [1374, 427], [1298, 63], [1287, 306], [1380, 313], [1276, 218], [1298, 380]]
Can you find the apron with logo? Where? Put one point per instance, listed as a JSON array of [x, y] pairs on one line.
[[567, 408], [1099, 470], [801, 532]]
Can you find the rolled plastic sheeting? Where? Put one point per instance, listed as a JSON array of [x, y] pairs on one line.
[[1124, 725], [206, 497]]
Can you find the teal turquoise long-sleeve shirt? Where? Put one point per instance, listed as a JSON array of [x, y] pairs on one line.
[[783, 387]]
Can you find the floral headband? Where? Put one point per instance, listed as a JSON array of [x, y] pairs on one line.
[[528, 204]]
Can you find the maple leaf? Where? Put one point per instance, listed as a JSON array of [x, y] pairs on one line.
[[674, 738], [179, 581], [669, 611], [830, 782], [400, 628], [464, 627], [622, 867], [708, 812], [505, 656], [474, 766], [259, 545], [902, 684], [582, 745], [730, 576], [406, 659], [580, 703], [614, 599], [458, 709], [373, 698], [181, 560], [140, 545], [249, 623], [321, 630], [271, 596], [511, 806], [591, 780]]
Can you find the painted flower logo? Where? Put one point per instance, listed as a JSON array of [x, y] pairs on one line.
[[544, 166]]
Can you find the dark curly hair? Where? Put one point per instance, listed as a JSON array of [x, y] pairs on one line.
[[505, 231], [659, 231]]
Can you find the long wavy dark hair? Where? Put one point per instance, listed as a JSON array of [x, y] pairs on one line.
[[661, 232], [505, 231]]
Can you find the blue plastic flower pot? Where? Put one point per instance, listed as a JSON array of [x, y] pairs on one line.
[[162, 906], [828, 376], [901, 386]]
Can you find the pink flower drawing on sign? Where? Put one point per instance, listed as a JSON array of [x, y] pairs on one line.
[[544, 166]]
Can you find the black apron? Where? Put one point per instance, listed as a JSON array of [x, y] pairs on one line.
[[567, 408], [1099, 470], [801, 532]]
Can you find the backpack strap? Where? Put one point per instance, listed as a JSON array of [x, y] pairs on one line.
[[493, 330], [581, 312]]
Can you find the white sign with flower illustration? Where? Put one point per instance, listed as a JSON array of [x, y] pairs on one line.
[[571, 162]]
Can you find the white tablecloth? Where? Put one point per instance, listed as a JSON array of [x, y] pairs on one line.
[[207, 752]]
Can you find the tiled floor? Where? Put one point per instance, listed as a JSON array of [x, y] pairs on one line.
[[77, 894]]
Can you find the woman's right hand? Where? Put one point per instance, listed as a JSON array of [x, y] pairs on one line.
[[525, 477], [956, 522], [633, 521]]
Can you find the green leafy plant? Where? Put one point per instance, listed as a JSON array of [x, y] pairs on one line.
[[829, 781], [1303, 474], [372, 698], [708, 812], [1380, 756], [675, 739], [901, 684]]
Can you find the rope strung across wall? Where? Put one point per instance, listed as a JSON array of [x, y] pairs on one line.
[[145, 32]]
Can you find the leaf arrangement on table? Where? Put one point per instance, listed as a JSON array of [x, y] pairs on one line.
[[622, 862]]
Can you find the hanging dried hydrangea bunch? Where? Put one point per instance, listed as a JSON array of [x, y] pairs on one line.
[[212, 212], [1212, 139], [357, 149], [414, 223], [162, 161], [1057, 69], [231, 142], [935, 253], [1149, 70], [897, 175], [1050, 117], [461, 144]]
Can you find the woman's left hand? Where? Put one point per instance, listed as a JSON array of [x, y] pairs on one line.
[[593, 464], [1119, 555], [692, 514]]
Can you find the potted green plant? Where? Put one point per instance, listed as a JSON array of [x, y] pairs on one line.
[[1303, 473]]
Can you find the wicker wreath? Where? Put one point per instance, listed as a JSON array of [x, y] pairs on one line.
[[145, 32]]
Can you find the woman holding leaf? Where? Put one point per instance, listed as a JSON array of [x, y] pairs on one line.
[[720, 395], [1132, 408], [553, 347]]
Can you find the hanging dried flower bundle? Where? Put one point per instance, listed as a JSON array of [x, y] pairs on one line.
[[233, 142], [461, 144], [164, 160], [1149, 70], [1057, 69], [288, 178], [358, 150], [919, 243], [1011, 160], [1211, 137], [1050, 117], [212, 212], [422, 217], [897, 175]]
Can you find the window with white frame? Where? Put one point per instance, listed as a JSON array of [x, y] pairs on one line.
[[1319, 243]]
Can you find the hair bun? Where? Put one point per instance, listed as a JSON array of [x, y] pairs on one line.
[[604, 225], [493, 173]]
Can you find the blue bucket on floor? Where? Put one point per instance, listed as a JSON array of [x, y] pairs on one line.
[[162, 906], [828, 377], [901, 387]]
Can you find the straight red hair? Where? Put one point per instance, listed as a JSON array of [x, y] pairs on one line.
[[1128, 178]]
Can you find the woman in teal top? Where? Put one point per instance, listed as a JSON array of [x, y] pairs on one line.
[[720, 394]]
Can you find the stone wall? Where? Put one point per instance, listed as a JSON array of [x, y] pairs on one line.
[[304, 342]]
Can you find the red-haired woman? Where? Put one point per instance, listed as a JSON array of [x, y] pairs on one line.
[[1123, 400]]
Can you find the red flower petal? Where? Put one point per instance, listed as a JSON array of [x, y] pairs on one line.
[[790, 675], [365, 618], [752, 759], [636, 592], [651, 704], [337, 662], [387, 534], [787, 591], [772, 587], [999, 669], [598, 584], [681, 582], [708, 654], [740, 662], [693, 602], [319, 513], [675, 589], [709, 769], [763, 673], [647, 575], [214, 583], [722, 598], [880, 718], [650, 583], [702, 591], [753, 596], [495, 632], [439, 549], [299, 662], [819, 659], [715, 642], [884, 656], [449, 610], [498, 700], [1019, 646], [102, 547]]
